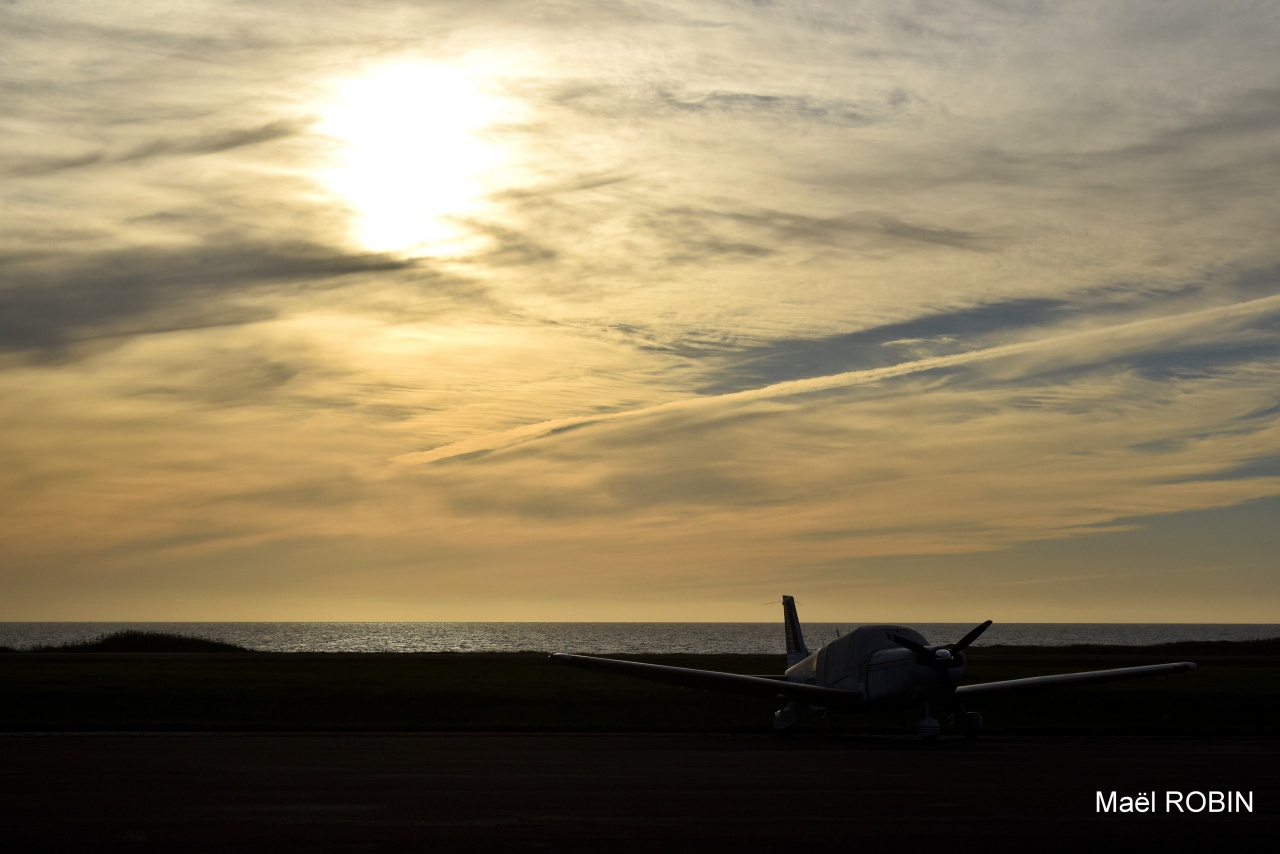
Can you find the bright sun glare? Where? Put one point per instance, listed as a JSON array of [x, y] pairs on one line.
[[412, 158]]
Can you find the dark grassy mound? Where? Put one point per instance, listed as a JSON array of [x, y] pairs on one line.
[[524, 692], [1268, 646], [133, 640]]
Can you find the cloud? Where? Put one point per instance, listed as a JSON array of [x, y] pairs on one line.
[[654, 101], [981, 468], [1022, 360], [52, 302], [777, 291], [211, 143]]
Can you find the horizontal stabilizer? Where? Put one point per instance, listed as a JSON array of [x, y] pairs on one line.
[[1062, 680], [713, 680]]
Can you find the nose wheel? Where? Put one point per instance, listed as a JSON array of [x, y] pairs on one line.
[[927, 726]]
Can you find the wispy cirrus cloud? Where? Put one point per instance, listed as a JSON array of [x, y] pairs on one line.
[[211, 143], [1106, 346]]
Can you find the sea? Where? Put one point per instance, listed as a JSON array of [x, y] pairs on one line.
[[612, 638]]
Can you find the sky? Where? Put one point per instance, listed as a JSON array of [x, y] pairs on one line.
[[596, 311]]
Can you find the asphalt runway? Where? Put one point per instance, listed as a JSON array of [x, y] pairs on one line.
[[616, 792]]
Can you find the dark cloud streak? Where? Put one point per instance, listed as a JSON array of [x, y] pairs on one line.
[[209, 143], [654, 100], [52, 302], [984, 325], [944, 332]]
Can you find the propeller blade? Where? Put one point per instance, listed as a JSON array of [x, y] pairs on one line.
[[907, 643], [973, 635]]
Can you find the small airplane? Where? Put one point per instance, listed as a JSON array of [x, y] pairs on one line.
[[872, 666]]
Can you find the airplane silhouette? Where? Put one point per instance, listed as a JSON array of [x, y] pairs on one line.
[[871, 667]]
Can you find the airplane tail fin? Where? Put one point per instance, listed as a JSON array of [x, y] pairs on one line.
[[796, 650]]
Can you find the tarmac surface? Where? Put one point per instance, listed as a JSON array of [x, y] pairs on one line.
[[482, 792]]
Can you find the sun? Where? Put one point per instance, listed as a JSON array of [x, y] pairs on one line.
[[412, 159]]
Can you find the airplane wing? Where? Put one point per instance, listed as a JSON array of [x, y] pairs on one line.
[[1063, 679], [713, 680]]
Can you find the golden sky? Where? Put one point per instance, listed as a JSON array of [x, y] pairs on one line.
[[640, 310]]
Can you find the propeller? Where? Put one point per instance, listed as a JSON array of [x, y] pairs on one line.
[[922, 652], [944, 657], [973, 635]]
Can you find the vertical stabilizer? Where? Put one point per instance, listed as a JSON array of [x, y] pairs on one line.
[[796, 650]]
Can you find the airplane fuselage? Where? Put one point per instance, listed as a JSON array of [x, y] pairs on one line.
[[869, 661]]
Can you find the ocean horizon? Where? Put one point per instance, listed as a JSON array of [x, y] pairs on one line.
[[608, 638]]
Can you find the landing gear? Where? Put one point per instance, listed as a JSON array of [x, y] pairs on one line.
[[927, 726], [969, 724], [785, 718]]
